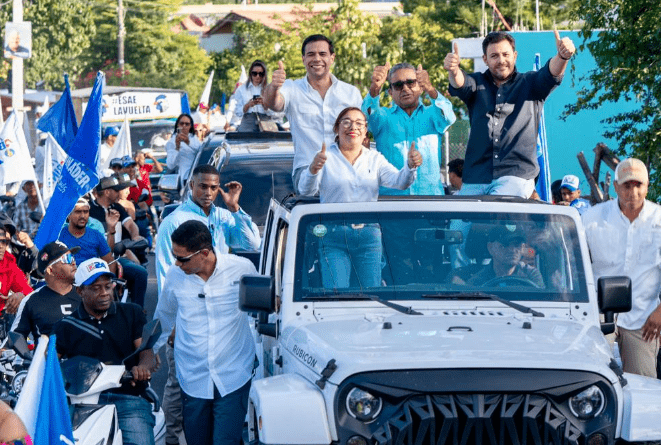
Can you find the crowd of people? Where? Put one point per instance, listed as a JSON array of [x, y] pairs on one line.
[[209, 348]]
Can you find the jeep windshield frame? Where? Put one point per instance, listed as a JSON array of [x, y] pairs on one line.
[[405, 255]]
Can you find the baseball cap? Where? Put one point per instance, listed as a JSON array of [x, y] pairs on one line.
[[89, 270], [7, 223], [111, 131], [631, 169], [117, 182], [116, 162], [570, 182], [506, 233], [82, 202], [203, 106], [127, 161], [51, 252]]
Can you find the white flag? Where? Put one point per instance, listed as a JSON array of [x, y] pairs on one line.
[[15, 161], [54, 158], [206, 94], [122, 145]]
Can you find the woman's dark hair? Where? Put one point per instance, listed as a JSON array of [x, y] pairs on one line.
[[176, 124], [336, 125], [193, 236], [264, 77]]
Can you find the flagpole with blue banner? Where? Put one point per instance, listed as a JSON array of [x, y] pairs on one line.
[[543, 186], [79, 173], [60, 119]]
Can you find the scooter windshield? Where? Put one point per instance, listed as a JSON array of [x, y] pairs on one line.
[[80, 373]]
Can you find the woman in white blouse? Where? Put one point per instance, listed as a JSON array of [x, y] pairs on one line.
[[350, 172], [183, 147], [249, 95]]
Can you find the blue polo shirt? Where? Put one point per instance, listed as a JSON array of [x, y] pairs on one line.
[[92, 244]]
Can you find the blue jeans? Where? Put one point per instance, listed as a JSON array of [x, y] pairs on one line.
[[136, 280], [217, 421], [506, 185], [135, 417], [351, 248]]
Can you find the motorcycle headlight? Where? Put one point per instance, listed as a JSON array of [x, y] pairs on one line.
[[588, 404], [363, 405]]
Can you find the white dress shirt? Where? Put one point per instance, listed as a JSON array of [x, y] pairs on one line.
[[244, 95], [621, 247], [213, 344], [184, 157], [311, 117], [339, 181]]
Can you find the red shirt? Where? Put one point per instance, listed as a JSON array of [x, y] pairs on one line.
[[11, 278], [143, 184]]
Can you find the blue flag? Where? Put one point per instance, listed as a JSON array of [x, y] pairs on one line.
[[185, 107], [53, 426], [79, 173], [543, 186], [60, 119]]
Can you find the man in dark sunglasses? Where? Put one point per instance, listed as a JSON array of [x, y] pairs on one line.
[[409, 121], [44, 307], [202, 294]]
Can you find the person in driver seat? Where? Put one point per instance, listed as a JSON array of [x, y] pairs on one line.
[[506, 245]]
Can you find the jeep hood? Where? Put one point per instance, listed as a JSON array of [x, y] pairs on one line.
[[427, 342]]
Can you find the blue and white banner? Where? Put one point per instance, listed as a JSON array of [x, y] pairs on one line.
[[543, 186], [15, 161], [60, 119], [54, 159], [79, 173]]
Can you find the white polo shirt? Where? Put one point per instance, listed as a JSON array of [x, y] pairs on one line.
[[312, 117], [621, 247]]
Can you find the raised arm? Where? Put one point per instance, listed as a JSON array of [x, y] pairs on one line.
[[566, 50], [273, 100], [451, 64]]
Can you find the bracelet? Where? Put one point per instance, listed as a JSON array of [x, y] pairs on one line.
[[563, 57], [111, 233]]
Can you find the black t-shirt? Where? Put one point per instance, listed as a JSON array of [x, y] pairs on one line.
[[40, 310], [99, 212], [109, 340]]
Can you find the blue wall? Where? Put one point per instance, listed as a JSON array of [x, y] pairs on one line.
[[580, 132]]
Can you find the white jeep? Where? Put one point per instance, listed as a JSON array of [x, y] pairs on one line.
[[438, 321]]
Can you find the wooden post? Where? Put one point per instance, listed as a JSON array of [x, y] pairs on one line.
[[595, 191]]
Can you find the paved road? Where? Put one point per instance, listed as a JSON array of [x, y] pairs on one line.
[[159, 378]]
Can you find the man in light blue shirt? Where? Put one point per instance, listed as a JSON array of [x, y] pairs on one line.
[[407, 121]]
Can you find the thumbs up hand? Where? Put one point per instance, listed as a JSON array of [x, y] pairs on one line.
[[451, 62], [379, 77], [415, 158], [319, 160], [279, 75], [422, 76], [566, 48]]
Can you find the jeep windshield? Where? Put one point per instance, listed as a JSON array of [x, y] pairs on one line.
[[438, 255]]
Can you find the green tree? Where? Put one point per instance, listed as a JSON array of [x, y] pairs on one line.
[[625, 40]]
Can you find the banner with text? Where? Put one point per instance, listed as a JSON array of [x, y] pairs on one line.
[[140, 105]]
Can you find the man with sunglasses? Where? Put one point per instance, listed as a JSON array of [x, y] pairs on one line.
[[44, 307], [214, 348], [409, 121], [311, 103], [504, 108]]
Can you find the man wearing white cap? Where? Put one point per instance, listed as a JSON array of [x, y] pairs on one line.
[[571, 194], [109, 332], [624, 236]]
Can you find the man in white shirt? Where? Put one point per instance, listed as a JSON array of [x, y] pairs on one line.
[[110, 136], [214, 350], [312, 103], [624, 236]]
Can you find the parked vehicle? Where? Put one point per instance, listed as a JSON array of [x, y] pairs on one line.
[[411, 349]]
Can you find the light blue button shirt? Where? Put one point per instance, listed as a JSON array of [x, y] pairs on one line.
[[394, 130], [235, 230]]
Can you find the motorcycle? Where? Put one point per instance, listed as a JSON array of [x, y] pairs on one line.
[[139, 246]]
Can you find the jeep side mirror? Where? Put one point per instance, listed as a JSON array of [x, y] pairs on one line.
[[257, 294], [614, 296]]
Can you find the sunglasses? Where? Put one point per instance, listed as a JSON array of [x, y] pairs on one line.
[[4, 242], [257, 73], [399, 85], [185, 259], [67, 258]]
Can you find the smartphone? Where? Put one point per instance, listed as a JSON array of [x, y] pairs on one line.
[[256, 96]]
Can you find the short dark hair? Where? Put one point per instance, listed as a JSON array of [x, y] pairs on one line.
[[205, 169], [456, 166], [399, 66], [318, 38], [495, 37], [176, 124], [193, 235]]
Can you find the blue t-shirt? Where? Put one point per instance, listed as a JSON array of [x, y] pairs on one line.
[[92, 244]]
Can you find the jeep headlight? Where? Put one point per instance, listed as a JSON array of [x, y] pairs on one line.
[[588, 404], [363, 405]]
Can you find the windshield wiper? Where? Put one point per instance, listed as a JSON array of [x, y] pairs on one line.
[[398, 307], [485, 296]]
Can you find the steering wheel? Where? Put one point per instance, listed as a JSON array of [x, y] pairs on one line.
[[510, 280]]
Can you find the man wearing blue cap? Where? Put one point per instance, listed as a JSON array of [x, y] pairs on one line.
[[571, 194], [109, 136], [109, 332]]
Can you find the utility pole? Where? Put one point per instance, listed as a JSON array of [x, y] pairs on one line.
[[121, 32], [17, 66]]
